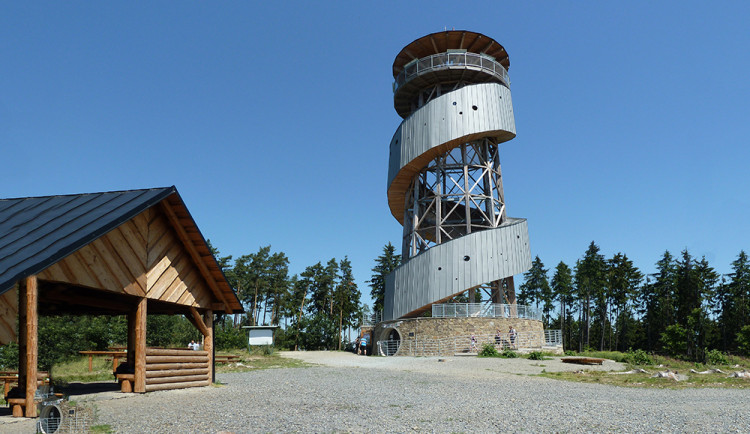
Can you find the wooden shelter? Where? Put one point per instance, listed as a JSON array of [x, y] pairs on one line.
[[127, 253]]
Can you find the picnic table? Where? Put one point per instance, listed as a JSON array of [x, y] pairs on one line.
[[115, 357], [11, 377]]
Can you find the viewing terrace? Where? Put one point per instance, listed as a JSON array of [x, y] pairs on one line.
[[441, 68]]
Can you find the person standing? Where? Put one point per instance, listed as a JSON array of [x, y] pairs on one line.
[[512, 334], [363, 344]]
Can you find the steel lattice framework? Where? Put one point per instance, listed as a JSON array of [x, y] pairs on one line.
[[444, 180], [457, 193]]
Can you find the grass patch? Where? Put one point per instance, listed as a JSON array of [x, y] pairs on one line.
[[77, 370], [102, 429], [257, 359], [653, 364], [538, 355], [645, 380]]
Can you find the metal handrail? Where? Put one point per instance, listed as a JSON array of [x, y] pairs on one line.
[[483, 310], [371, 319], [451, 60], [553, 338]]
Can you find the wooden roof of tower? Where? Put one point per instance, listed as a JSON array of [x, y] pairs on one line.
[[440, 42]]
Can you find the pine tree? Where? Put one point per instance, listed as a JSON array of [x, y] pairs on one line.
[[562, 287], [656, 300], [590, 282], [623, 280], [384, 265], [536, 289], [346, 297], [735, 301]]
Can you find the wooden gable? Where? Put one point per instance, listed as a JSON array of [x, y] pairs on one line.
[[142, 257]]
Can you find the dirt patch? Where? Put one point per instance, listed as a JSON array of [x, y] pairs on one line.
[[465, 366]]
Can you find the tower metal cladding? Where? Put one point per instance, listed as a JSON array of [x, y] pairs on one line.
[[445, 185]]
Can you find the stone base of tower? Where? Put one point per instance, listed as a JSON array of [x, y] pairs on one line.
[[452, 336]]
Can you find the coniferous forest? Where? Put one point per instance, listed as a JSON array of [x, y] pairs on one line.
[[683, 310]]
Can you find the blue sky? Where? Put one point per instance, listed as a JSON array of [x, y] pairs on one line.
[[274, 121]]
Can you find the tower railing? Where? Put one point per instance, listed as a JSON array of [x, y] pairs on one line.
[[451, 60], [485, 310], [371, 319]]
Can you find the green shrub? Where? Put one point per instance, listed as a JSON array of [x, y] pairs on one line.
[[716, 357], [261, 350], [509, 354], [617, 356], [674, 340], [9, 356], [570, 353], [743, 340], [637, 357], [227, 337], [488, 350], [536, 355]]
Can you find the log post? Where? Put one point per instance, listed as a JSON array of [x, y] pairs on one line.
[[131, 340], [208, 341], [140, 348], [28, 322]]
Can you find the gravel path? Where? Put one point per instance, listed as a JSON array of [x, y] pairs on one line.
[[461, 394]]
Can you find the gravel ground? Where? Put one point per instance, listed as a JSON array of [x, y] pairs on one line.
[[461, 394]]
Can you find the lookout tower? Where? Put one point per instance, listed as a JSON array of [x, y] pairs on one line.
[[445, 185]]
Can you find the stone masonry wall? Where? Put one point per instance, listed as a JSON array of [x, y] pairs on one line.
[[448, 336]]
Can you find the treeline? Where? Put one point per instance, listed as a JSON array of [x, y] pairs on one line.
[[314, 308], [684, 309]]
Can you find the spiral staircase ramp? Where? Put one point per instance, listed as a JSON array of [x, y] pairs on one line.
[[444, 180]]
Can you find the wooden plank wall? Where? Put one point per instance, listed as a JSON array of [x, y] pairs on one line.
[[141, 257], [8, 315], [172, 275]]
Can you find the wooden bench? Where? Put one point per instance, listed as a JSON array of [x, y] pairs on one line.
[[226, 359], [11, 377], [126, 382], [17, 405]]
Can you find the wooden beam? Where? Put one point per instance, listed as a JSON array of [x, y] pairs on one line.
[[64, 297], [434, 46], [139, 385], [190, 247], [29, 295], [199, 322], [208, 342]]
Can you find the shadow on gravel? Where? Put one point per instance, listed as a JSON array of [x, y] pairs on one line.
[[76, 389]]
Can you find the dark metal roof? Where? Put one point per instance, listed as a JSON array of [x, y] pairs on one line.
[[36, 232]]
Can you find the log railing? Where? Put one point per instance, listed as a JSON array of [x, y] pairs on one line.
[[176, 369]]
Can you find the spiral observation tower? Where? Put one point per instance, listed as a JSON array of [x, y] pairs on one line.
[[445, 185]]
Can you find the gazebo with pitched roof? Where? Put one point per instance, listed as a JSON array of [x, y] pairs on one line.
[[115, 253]]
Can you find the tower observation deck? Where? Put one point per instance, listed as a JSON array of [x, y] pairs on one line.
[[445, 185]]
